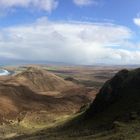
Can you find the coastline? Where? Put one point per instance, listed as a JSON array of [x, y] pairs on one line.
[[4, 72]]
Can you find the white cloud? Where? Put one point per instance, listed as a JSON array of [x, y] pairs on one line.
[[46, 5], [75, 42], [84, 2], [137, 21]]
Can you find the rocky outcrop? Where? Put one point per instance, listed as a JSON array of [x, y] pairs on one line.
[[122, 90]]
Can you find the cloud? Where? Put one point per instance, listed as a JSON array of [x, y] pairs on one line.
[[69, 42], [46, 5], [137, 21], [84, 2]]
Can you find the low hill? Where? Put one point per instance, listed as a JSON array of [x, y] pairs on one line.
[[39, 79], [28, 92]]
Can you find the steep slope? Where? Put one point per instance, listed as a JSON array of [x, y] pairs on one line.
[[122, 93], [117, 102]]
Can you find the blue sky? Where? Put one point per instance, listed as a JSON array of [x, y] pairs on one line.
[[119, 11], [71, 31]]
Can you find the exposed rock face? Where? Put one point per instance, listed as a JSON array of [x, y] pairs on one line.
[[122, 90]]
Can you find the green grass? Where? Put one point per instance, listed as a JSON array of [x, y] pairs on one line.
[[121, 131]]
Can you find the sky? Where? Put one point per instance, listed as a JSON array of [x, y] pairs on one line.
[[83, 32]]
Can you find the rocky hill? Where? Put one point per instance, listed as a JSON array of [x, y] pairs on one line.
[[121, 94]]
